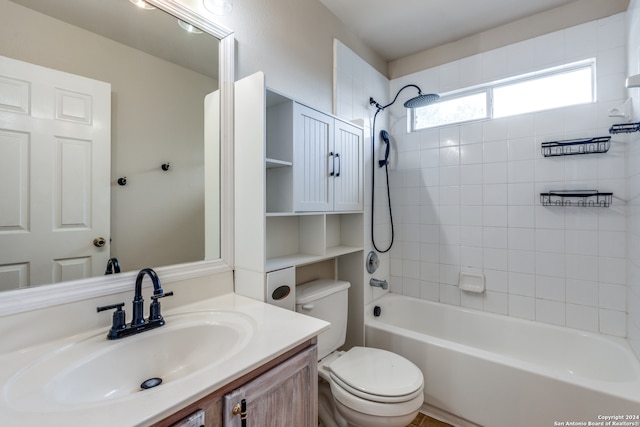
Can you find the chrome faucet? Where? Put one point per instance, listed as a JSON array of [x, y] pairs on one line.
[[119, 327], [379, 283]]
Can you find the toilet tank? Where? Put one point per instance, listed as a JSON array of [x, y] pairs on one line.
[[327, 300]]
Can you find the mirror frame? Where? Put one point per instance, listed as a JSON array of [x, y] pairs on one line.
[[17, 301]]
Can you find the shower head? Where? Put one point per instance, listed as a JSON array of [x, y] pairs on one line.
[[421, 100], [418, 101]]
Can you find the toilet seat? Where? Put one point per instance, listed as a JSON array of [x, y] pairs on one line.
[[373, 397], [375, 409], [376, 375]]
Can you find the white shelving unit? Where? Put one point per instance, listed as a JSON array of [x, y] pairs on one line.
[[276, 164]]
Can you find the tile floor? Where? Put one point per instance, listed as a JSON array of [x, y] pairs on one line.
[[424, 421]]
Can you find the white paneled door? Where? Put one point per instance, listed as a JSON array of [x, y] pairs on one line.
[[55, 161]]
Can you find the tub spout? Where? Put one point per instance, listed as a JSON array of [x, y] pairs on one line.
[[379, 283]]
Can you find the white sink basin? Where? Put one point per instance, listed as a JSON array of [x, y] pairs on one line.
[[95, 370]]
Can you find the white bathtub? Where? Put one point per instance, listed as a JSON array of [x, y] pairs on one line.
[[495, 371]]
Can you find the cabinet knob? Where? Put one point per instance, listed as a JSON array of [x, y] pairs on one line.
[[241, 409], [237, 409]]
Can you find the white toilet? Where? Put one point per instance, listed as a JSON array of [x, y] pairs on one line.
[[364, 387]]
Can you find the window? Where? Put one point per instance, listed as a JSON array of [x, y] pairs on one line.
[[544, 93], [453, 110], [571, 84]]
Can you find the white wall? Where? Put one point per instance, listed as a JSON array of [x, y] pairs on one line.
[[568, 15], [633, 179], [291, 41]]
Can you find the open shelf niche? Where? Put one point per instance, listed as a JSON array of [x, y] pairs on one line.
[[279, 153], [294, 240]]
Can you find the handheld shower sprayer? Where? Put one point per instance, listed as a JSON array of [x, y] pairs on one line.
[[385, 138], [417, 101]]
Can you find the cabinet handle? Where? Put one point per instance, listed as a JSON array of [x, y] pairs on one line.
[[333, 164], [337, 156], [241, 409]]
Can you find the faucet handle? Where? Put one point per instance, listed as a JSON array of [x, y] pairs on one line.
[[118, 322], [110, 307], [162, 295], [154, 309]]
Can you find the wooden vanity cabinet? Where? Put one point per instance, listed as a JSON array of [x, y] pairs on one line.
[[284, 396], [281, 393]]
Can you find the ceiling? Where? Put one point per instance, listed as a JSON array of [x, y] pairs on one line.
[[395, 29], [151, 31]]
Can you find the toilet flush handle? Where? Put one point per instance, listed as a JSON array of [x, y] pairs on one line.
[[307, 307]]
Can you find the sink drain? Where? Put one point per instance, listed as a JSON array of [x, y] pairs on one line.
[[151, 383]]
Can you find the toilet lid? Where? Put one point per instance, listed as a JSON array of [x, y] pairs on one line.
[[376, 372]]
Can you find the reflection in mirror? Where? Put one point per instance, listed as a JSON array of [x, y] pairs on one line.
[[92, 93]]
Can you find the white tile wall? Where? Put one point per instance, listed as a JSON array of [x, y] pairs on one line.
[[468, 195], [552, 265]]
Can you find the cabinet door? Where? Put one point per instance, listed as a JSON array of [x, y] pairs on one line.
[[313, 160], [285, 396], [348, 176]]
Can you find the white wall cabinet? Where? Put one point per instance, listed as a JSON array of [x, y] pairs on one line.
[[314, 161], [327, 163]]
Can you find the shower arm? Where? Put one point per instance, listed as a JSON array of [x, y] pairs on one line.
[[382, 107]]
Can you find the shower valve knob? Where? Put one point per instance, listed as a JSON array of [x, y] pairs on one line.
[[373, 262]]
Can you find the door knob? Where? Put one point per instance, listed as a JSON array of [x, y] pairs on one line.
[[99, 242]]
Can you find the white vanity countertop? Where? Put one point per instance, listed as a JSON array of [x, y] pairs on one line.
[[275, 332]]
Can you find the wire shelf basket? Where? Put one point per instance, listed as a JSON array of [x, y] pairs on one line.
[[571, 147], [578, 198], [625, 128]]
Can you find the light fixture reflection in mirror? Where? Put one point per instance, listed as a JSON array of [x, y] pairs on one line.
[[188, 27], [219, 7], [142, 135], [142, 4]]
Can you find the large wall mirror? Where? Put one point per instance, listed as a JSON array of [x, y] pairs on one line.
[[110, 139]]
